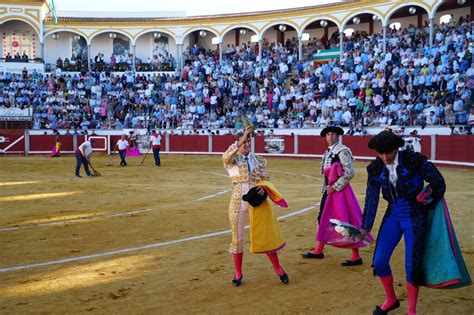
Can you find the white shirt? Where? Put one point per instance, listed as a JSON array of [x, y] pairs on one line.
[[122, 144], [156, 140], [392, 171], [86, 148]]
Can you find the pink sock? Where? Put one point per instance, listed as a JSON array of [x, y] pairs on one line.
[[355, 254], [319, 248], [391, 297], [412, 298], [276, 263], [238, 265]]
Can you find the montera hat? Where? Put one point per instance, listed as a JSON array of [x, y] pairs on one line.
[[254, 198], [386, 141], [335, 129]]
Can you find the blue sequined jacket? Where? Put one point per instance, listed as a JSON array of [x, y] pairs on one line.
[[412, 170]]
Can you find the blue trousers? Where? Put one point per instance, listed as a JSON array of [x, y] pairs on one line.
[[80, 160], [156, 155], [403, 218], [123, 153]]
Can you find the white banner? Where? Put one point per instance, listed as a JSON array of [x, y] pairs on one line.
[[17, 67]]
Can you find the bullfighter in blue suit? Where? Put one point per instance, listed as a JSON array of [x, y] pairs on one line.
[[400, 175]]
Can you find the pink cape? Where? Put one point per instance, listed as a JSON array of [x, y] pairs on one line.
[[133, 151], [343, 206]]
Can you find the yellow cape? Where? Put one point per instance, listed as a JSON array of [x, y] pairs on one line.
[[265, 233]]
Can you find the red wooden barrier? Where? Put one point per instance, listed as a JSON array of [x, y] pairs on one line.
[[221, 143]]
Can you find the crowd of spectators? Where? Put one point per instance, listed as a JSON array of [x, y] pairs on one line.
[[410, 85]]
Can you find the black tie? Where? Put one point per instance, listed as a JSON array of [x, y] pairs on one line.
[[248, 165]]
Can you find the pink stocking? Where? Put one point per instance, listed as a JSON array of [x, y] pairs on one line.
[[355, 254], [319, 248], [238, 257], [276, 263], [412, 298], [391, 297]]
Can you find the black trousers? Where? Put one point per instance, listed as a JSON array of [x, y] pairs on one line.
[[80, 160]]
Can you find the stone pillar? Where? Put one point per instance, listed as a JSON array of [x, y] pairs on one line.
[[341, 43], [180, 59], [260, 47], [42, 51], [134, 59], [220, 53], [384, 39], [431, 31], [89, 63], [300, 48]]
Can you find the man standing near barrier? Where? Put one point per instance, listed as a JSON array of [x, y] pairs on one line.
[[155, 143], [122, 145], [83, 157]]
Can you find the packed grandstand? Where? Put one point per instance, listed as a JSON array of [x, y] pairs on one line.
[[413, 75]]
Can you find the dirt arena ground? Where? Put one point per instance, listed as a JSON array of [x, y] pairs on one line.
[[148, 231]]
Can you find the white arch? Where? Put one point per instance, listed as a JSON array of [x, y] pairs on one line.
[[132, 42], [327, 18], [25, 20], [280, 23], [51, 32], [144, 32], [350, 17], [201, 29], [435, 9], [253, 29], [407, 4]]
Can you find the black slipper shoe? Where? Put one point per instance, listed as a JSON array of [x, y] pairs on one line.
[[311, 255], [379, 311], [284, 278], [237, 282], [357, 262]]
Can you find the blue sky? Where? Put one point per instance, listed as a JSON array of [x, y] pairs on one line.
[[192, 7]]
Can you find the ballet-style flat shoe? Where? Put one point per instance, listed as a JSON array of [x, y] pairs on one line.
[[284, 278], [348, 262], [237, 282], [379, 311], [311, 255]]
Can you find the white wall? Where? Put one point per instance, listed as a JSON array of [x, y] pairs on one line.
[[55, 48], [104, 44], [145, 46], [15, 26]]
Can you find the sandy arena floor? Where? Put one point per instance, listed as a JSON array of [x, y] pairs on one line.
[[137, 221]]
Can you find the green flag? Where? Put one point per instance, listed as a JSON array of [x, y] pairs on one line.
[[52, 8]]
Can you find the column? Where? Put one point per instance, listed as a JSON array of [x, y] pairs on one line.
[[89, 58], [134, 60], [220, 53], [341, 43], [384, 39], [42, 51], [371, 26], [260, 47], [300, 48], [180, 59], [431, 31]]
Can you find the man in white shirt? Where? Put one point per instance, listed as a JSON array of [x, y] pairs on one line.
[[83, 157], [156, 145], [122, 145]]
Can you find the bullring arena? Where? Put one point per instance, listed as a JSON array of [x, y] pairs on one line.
[[148, 239]]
